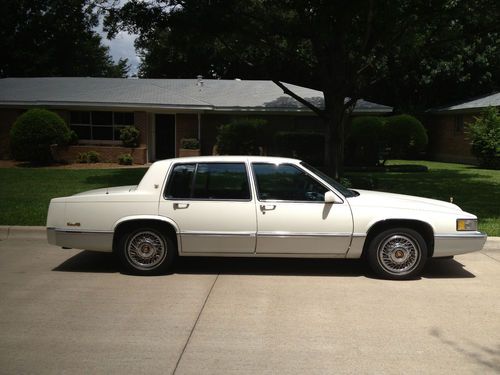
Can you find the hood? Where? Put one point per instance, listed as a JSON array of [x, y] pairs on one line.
[[390, 200]]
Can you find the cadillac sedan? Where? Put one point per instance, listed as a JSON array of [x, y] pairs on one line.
[[258, 207]]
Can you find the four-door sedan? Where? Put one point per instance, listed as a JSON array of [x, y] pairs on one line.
[[258, 207]]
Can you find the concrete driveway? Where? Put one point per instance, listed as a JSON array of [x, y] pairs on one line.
[[69, 311]]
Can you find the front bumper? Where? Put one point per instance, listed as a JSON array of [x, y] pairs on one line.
[[446, 245]]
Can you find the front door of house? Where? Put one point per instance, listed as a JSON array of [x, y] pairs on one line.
[[165, 136]]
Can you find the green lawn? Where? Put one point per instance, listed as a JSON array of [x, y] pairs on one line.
[[475, 190], [25, 192]]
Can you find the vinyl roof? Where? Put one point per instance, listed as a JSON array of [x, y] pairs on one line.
[[207, 94]]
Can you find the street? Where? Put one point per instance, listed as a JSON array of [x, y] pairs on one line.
[[72, 311]]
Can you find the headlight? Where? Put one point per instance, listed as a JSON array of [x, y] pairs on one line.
[[466, 225]]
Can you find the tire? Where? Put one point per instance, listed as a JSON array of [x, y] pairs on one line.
[[146, 251], [398, 254]]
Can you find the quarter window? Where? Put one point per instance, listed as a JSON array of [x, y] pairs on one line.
[[286, 182], [222, 181]]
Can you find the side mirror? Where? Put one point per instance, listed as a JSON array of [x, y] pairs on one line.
[[331, 197]]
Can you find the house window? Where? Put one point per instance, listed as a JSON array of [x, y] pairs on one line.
[[459, 124], [100, 125]]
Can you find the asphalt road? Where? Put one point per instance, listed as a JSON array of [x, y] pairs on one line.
[[69, 311]]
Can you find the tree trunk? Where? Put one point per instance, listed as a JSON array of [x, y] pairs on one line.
[[334, 134]]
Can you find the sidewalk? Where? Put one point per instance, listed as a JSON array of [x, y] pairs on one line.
[[35, 233]]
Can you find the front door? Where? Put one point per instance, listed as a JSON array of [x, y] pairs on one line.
[[292, 216], [165, 136], [212, 206]]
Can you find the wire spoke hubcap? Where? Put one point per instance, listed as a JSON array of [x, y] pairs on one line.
[[146, 250], [399, 254]]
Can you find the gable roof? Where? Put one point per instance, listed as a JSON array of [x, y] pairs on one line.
[[471, 105], [206, 94]]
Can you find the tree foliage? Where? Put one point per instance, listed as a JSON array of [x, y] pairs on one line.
[[54, 38], [484, 134], [239, 137], [406, 136], [34, 132], [392, 51]]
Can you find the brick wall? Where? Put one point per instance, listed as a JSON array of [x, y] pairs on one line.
[[448, 138], [7, 118]]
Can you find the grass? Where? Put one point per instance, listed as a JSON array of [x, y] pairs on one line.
[[474, 189], [25, 192]]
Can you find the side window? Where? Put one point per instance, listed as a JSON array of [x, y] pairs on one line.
[[286, 183], [180, 181], [221, 181], [208, 181]]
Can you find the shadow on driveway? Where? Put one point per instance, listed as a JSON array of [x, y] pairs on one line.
[[97, 262]]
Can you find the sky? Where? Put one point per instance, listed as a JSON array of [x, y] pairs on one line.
[[122, 46]]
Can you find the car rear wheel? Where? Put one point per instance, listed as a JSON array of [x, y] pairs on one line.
[[398, 254], [146, 251]]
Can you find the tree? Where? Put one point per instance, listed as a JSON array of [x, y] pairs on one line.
[[346, 49], [484, 133], [53, 38]]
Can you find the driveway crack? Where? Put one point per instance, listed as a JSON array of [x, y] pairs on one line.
[[195, 324]]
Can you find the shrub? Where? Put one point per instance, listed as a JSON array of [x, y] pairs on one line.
[[125, 159], [190, 143], [406, 136], [366, 141], [82, 157], [34, 132], [73, 137], [308, 146], [88, 157], [484, 134], [93, 157], [239, 137], [129, 135]]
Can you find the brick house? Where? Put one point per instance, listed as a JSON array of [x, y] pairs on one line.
[[447, 129], [164, 110]]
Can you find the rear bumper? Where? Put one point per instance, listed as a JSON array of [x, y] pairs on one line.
[[454, 244], [86, 240]]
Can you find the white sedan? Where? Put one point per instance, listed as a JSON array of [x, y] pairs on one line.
[[258, 207]]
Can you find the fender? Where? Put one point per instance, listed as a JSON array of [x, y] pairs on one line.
[[147, 217]]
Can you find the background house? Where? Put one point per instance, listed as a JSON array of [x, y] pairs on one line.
[[447, 129], [164, 110]]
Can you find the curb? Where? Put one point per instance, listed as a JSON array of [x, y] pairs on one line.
[[19, 232]]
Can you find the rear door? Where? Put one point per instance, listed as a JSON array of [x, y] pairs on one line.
[[213, 207]]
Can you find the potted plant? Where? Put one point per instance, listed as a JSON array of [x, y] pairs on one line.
[[189, 147]]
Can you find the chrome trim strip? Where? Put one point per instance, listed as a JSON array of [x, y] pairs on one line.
[[217, 234], [302, 234], [460, 236], [356, 235], [60, 230]]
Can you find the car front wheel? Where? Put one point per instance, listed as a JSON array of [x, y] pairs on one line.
[[398, 254], [146, 251]]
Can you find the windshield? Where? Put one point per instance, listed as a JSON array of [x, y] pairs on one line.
[[339, 187]]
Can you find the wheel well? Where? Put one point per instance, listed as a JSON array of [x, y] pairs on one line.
[[128, 226], [421, 227]]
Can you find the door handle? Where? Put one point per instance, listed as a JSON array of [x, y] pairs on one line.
[[267, 207], [180, 206]]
